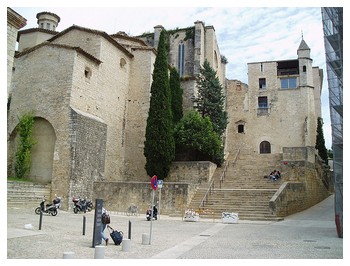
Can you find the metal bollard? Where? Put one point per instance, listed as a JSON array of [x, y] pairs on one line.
[[99, 252], [84, 225], [68, 255], [129, 231], [40, 220], [126, 245]]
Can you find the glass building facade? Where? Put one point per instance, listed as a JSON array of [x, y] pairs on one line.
[[332, 19]]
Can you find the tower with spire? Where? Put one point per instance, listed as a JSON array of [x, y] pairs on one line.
[[279, 108]]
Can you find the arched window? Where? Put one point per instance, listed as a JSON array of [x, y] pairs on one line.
[[122, 62], [304, 68], [265, 147]]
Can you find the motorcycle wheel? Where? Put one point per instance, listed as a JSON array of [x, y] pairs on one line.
[[38, 210], [75, 210], [54, 212]]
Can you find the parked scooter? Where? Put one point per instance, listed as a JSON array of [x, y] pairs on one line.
[[82, 205], [149, 213], [50, 208]]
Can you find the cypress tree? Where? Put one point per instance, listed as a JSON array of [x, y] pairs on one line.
[[320, 142], [176, 95], [211, 99], [159, 147]]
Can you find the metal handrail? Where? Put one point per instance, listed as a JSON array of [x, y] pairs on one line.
[[222, 177], [211, 186]]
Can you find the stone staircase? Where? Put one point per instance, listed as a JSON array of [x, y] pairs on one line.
[[244, 189], [26, 194]]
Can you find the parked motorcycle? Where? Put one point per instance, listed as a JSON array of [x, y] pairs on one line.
[[82, 205], [50, 208], [149, 213]]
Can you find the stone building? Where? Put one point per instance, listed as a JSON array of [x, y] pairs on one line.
[[89, 93], [14, 23], [279, 107]]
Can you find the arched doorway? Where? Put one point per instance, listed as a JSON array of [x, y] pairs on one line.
[[42, 151]]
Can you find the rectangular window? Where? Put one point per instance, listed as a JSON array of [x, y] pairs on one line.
[[289, 83], [262, 102], [262, 83], [263, 108]]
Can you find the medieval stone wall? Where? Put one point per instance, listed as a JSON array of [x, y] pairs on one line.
[[88, 149], [137, 103]]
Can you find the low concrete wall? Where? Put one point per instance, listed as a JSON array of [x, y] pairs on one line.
[[300, 194], [118, 196]]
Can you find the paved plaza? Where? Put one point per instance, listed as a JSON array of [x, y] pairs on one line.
[[310, 234]]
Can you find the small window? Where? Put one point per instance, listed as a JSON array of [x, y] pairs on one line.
[[265, 147], [289, 83], [240, 128], [261, 67], [42, 25], [262, 102], [263, 108], [87, 73], [48, 26], [304, 68], [262, 83], [122, 62]]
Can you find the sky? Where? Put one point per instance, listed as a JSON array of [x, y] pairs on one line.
[[244, 34]]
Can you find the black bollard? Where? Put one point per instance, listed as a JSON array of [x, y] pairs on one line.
[[84, 223], [129, 232], [40, 220]]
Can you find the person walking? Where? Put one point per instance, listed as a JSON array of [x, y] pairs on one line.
[[105, 219]]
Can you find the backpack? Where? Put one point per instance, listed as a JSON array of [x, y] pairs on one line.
[[106, 219]]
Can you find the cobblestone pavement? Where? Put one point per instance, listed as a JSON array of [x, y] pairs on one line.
[[310, 234]]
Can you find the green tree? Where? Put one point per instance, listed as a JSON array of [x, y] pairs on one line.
[[24, 146], [211, 99], [320, 142], [159, 147], [176, 95], [195, 135]]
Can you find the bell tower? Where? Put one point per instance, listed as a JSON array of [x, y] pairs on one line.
[[47, 20]]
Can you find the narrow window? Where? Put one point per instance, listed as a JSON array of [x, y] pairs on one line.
[[265, 147], [240, 128], [262, 83], [87, 73], [304, 68], [42, 25], [261, 67], [48, 26], [181, 59]]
